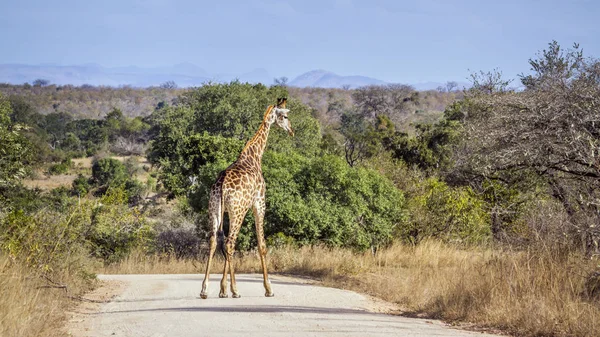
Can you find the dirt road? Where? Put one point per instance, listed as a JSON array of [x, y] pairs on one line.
[[168, 305]]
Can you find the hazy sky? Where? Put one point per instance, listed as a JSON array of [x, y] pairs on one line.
[[396, 41]]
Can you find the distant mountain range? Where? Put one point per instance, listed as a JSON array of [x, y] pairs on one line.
[[183, 74], [327, 79]]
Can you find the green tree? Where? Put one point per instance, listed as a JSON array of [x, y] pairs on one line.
[[543, 138], [23, 112], [431, 148], [15, 150], [361, 140], [55, 125], [114, 122], [108, 172]]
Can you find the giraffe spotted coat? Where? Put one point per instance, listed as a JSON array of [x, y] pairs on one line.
[[238, 188]]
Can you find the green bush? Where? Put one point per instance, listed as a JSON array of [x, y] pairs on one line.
[[46, 239], [61, 168], [132, 166], [81, 185], [71, 142], [135, 191], [151, 184], [183, 157], [15, 197], [325, 200], [108, 172], [49, 238], [59, 198], [452, 213], [116, 230]]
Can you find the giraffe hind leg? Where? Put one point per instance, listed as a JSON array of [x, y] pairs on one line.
[[211, 253], [215, 219]]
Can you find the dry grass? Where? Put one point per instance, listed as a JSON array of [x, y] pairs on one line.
[[80, 166], [539, 292], [84, 163], [50, 182], [30, 305]]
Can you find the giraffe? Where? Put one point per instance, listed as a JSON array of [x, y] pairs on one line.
[[237, 188]]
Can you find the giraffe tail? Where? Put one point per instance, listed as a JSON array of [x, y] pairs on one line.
[[221, 242], [220, 233]]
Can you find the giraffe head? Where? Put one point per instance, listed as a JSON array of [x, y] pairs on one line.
[[280, 114]]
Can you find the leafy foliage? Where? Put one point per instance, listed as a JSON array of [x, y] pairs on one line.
[[61, 168], [323, 199], [545, 137], [432, 147], [81, 185], [15, 150], [453, 214], [116, 229], [108, 172]]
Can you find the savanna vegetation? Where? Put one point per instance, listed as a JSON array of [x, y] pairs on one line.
[[479, 206]]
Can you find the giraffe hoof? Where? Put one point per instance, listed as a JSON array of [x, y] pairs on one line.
[[223, 295], [269, 294], [235, 296], [203, 296]]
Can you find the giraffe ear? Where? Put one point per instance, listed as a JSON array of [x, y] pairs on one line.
[[281, 102]]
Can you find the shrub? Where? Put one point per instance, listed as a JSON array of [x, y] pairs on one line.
[[135, 191], [151, 184], [46, 240], [116, 229], [59, 198], [326, 200], [18, 198], [450, 213], [81, 185], [62, 168], [71, 142], [182, 243], [132, 166], [108, 172]]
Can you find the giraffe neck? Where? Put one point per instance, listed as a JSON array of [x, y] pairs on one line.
[[255, 147]]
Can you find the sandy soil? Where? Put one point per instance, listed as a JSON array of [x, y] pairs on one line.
[[168, 305]]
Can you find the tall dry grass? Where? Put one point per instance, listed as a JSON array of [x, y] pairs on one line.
[[31, 305], [537, 292]]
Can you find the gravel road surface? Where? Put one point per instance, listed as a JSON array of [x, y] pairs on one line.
[[169, 306]]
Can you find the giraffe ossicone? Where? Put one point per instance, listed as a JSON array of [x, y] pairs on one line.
[[237, 188]]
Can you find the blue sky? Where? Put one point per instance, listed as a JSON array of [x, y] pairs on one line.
[[395, 41]]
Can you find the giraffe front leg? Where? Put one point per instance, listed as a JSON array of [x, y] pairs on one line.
[[263, 261], [230, 250], [223, 292]]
